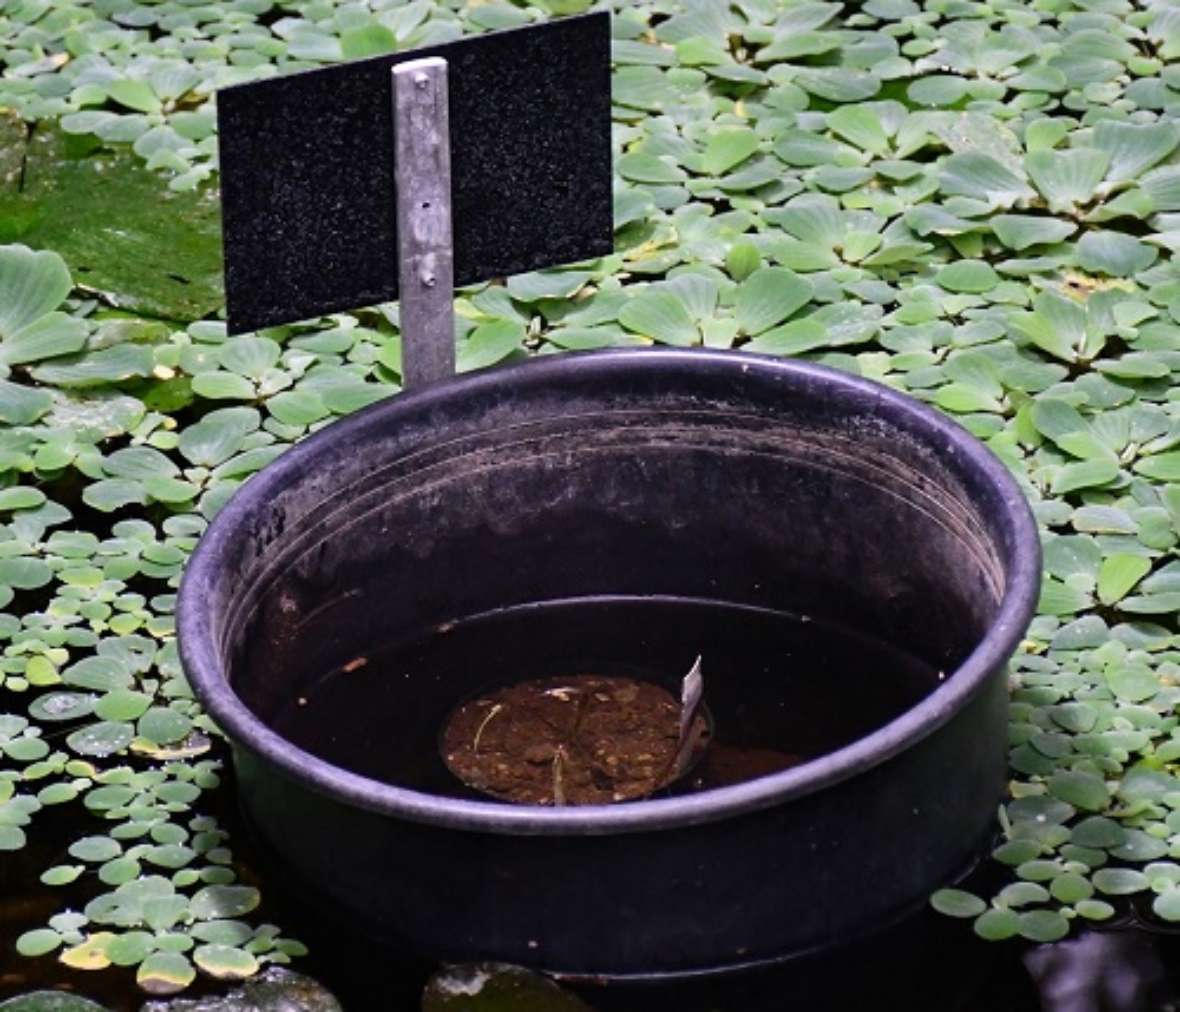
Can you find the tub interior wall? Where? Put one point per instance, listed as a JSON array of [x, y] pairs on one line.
[[857, 524]]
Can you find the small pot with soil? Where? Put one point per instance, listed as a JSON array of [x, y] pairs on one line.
[[447, 638]]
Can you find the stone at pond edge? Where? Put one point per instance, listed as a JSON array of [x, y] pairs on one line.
[[50, 1001], [496, 987], [273, 990]]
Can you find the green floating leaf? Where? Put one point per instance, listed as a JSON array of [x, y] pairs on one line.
[[136, 95], [96, 849], [742, 260], [1067, 178], [218, 435], [1098, 831], [1114, 253], [62, 874], [221, 902], [218, 384], [957, 903], [728, 147], [1020, 231], [129, 948], [122, 705], [118, 871], [1071, 888], [164, 973], [22, 405], [1043, 926], [968, 276], [769, 296], [1119, 881], [11, 837], [1134, 148], [101, 739], [162, 725], [1133, 683], [367, 40], [1084, 474], [978, 175], [1119, 574], [1095, 910], [660, 314], [997, 924], [38, 942], [31, 285], [52, 335], [1166, 905], [640, 167], [490, 343], [860, 125], [24, 573], [225, 962], [936, 90]]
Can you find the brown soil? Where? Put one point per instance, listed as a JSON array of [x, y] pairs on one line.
[[583, 740]]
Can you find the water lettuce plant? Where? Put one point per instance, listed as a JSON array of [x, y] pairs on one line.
[[976, 203]]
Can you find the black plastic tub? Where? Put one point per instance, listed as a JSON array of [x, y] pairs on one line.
[[699, 478]]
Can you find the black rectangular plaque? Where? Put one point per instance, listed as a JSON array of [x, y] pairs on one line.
[[309, 209]]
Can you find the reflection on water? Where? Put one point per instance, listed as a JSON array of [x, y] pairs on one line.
[[1116, 971]]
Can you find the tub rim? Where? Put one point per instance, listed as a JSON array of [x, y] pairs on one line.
[[1022, 566]]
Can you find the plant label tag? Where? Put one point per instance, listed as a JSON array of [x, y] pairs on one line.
[[692, 691], [309, 201]]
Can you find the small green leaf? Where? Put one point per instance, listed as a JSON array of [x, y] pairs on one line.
[[1119, 881], [62, 874], [1166, 905], [490, 343], [742, 260], [1095, 910], [728, 147], [1119, 574], [769, 296], [660, 314], [101, 739], [31, 285], [11, 837], [38, 942], [1069, 177], [165, 973], [1071, 888], [968, 276], [957, 903], [995, 925], [134, 95], [1020, 231], [367, 40], [225, 962], [1043, 926], [1114, 253], [1082, 790], [220, 902]]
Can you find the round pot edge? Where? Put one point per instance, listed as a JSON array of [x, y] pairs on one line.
[[991, 655]]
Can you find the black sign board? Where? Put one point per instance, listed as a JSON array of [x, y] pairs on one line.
[[309, 202]]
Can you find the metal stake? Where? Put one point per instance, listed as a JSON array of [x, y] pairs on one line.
[[423, 177]]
